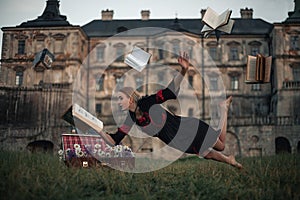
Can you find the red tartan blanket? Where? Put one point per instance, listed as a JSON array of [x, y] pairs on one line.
[[79, 146]]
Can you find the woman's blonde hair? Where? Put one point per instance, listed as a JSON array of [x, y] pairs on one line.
[[130, 92]]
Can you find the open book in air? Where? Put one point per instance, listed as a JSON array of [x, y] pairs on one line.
[[137, 59], [45, 57], [258, 69], [215, 22], [85, 122]]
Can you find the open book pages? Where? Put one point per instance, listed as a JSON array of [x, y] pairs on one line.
[[137, 59], [82, 116], [258, 69], [85, 122], [227, 27], [214, 20], [251, 69]]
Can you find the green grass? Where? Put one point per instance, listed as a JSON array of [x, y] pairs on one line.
[[43, 176]]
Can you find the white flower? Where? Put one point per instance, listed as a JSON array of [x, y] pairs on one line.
[[100, 153], [60, 152], [97, 146], [118, 149], [77, 151], [80, 153], [108, 155], [95, 151], [116, 154], [77, 146], [126, 148]]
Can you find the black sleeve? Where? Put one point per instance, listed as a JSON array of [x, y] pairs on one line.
[[122, 130], [117, 137]]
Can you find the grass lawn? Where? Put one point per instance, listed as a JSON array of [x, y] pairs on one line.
[[43, 176]]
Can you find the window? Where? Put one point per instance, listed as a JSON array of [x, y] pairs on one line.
[[296, 73], [58, 43], [213, 53], [21, 47], [119, 82], [160, 54], [191, 112], [294, 42], [213, 83], [100, 83], [233, 55], [191, 80], [176, 49], [234, 83], [19, 78], [213, 50], [191, 51], [254, 47], [100, 54], [99, 108], [256, 87], [161, 76], [120, 54], [254, 50], [139, 83]]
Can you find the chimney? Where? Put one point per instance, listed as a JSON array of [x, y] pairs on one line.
[[246, 13], [202, 13], [107, 15], [145, 14]]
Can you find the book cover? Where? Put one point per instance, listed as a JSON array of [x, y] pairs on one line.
[[258, 69], [45, 57], [137, 59], [85, 122]]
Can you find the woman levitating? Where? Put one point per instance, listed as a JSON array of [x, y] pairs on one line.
[[187, 134]]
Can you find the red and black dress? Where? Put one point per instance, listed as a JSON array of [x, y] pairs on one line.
[[187, 134]]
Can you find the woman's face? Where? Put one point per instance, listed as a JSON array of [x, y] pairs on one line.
[[123, 101]]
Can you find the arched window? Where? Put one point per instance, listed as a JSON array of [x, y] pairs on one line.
[[282, 145], [233, 50], [120, 51], [119, 82], [19, 78], [100, 83], [254, 47], [139, 83], [21, 47]]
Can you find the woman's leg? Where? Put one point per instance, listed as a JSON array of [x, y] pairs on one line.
[[218, 156], [224, 106]]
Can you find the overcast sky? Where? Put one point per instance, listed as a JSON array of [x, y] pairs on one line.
[[79, 12]]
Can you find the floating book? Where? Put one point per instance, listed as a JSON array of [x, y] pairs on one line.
[[258, 69], [215, 22], [85, 122], [137, 59], [45, 57]]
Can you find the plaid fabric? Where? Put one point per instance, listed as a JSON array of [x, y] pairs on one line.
[[86, 142]]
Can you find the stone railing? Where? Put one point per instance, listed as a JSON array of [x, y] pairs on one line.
[[264, 120], [291, 85]]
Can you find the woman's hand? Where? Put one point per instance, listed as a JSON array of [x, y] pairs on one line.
[[183, 60]]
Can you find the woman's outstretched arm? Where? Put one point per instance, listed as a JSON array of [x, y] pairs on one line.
[[183, 61]]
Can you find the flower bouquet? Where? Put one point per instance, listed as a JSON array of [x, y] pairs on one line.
[[91, 150]]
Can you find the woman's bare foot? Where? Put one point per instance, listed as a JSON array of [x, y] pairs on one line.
[[234, 163]]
